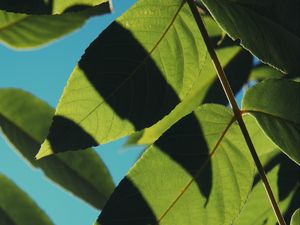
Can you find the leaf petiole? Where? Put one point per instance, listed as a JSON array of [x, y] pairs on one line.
[[230, 96]]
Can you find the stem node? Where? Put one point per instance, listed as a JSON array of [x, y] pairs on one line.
[[230, 96]]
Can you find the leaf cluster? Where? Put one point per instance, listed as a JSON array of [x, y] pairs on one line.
[[148, 76]]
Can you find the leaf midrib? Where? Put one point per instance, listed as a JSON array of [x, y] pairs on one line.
[[210, 155], [138, 67], [21, 130], [11, 219], [9, 25]]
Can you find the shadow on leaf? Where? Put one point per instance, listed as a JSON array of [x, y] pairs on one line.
[[288, 180], [128, 206], [127, 78], [238, 71], [186, 145], [42, 7], [132, 207], [28, 6], [98, 9], [60, 141], [128, 81]]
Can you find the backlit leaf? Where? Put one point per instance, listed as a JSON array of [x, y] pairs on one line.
[[27, 31], [286, 189], [25, 121], [206, 78], [192, 175], [262, 72], [275, 105], [17, 208], [296, 218], [128, 79]]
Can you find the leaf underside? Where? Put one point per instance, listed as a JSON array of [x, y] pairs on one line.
[[275, 105], [17, 208], [268, 28], [23, 31], [26, 122], [127, 79]]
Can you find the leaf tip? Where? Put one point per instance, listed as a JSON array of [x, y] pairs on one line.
[[44, 151]]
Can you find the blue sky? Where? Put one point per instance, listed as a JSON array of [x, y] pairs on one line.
[[44, 73]]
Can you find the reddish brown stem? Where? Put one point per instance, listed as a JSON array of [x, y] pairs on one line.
[[230, 96]]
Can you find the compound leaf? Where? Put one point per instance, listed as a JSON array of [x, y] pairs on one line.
[[191, 175]]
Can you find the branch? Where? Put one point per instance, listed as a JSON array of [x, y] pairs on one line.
[[230, 96]]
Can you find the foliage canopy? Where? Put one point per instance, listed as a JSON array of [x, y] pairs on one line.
[[149, 76]]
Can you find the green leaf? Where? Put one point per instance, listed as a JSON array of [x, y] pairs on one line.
[[206, 88], [229, 57], [262, 72], [237, 71], [27, 31], [212, 27], [275, 105], [191, 102], [75, 5], [296, 217], [41, 7], [192, 175], [127, 80], [17, 208], [286, 189], [267, 28], [26, 122]]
